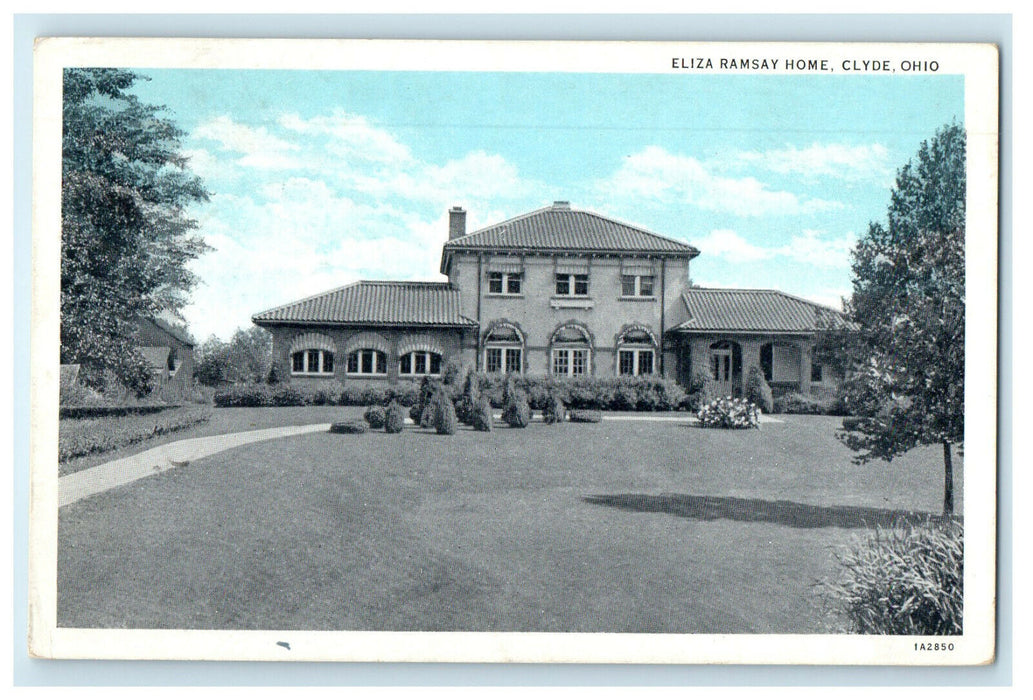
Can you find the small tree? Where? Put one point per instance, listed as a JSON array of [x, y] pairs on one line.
[[909, 299], [758, 391]]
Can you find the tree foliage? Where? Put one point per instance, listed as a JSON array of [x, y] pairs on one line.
[[245, 358], [909, 299], [125, 236]]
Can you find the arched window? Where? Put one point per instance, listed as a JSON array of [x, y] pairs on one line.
[[419, 363], [504, 349], [571, 352], [636, 353], [367, 361], [312, 353]]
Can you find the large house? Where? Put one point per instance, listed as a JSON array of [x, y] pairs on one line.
[[555, 291]]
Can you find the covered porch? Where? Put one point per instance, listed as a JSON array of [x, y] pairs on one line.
[[786, 361]]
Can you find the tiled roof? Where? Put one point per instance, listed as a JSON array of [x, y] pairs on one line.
[[375, 303], [561, 228], [756, 310]]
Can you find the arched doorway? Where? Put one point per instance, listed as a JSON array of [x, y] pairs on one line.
[[726, 366]]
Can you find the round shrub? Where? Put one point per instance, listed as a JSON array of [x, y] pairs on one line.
[[445, 421], [348, 428], [517, 412], [394, 418], [729, 413], [374, 415], [585, 416], [758, 391], [416, 413]]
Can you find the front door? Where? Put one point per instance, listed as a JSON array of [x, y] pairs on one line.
[[721, 369]]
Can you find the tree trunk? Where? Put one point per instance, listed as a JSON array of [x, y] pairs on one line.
[[948, 481]]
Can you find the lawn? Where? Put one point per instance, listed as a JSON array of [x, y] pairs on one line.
[[622, 526]]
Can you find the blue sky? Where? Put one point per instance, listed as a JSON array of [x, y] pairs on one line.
[[321, 178]]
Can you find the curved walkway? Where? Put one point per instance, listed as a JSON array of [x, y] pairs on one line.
[[88, 482]]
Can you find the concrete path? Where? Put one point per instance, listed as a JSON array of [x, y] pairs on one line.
[[87, 482]]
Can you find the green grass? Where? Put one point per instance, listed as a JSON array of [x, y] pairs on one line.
[[616, 526]]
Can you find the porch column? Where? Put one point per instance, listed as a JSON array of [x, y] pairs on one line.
[[805, 367]]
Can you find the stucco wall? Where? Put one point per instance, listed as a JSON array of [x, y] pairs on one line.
[[538, 311]]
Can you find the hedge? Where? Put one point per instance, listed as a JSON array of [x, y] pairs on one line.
[[809, 405], [80, 437], [594, 393], [332, 394]]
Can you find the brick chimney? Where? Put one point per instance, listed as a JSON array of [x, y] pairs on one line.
[[456, 222]]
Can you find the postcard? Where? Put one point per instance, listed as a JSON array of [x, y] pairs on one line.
[[473, 351]]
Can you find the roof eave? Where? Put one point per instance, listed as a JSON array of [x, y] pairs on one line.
[[689, 254], [358, 324]]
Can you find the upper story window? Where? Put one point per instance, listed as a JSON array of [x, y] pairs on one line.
[[368, 362], [572, 285], [312, 362], [505, 283], [637, 285], [419, 364]]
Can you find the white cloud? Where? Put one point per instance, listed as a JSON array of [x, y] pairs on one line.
[[809, 247], [351, 136], [260, 149], [657, 174], [727, 244], [823, 160]]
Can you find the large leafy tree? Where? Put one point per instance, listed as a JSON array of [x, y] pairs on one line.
[[245, 358], [909, 299], [126, 238]]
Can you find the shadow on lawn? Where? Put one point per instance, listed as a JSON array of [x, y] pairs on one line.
[[788, 513]]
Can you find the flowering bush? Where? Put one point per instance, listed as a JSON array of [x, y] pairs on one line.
[[729, 413]]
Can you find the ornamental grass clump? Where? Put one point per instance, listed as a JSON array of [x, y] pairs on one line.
[[903, 580], [375, 416], [394, 418], [729, 413]]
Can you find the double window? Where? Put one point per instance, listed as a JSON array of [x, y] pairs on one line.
[[504, 350], [312, 362], [419, 363], [568, 285], [636, 353], [367, 362], [635, 362], [510, 283], [571, 353], [637, 285]]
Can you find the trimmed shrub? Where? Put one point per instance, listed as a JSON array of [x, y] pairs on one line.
[[348, 428], [273, 376], [517, 412], [554, 411], [79, 437], [394, 418], [445, 421], [758, 391], [904, 580], [483, 419], [583, 416], [375, 416], [729, 413], [416, 414], [429, 417], [702, 391]]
